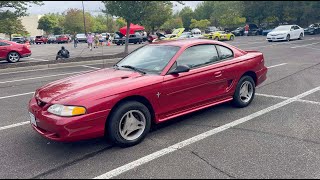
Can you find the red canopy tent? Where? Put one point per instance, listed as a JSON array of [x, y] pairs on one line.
[[133, 28]]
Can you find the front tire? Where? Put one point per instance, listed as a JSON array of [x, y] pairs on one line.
[[288, 37], [216, 38], [245, 92], [129, 124], [231, 38], [301, 36]]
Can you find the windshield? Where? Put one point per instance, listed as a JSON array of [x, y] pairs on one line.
[[282, 28], [150, 58]]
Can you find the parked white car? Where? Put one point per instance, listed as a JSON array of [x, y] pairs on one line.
[[285, 33]]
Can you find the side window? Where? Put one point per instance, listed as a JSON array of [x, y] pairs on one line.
[[295, 27], [3, 44], [224, 53], [199, 55]]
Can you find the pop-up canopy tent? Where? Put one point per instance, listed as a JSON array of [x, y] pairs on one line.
[[133, 28]]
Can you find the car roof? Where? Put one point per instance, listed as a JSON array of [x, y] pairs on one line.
[[185, 42]]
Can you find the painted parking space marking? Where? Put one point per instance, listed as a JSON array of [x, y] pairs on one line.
[[90, 67], [16, 95], [14, 125], [19, 80], [277, 65], [305, 45], [34, 59], [282, 97], [115, 172]]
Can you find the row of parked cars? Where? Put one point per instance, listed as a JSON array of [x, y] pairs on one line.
[[59, 39]]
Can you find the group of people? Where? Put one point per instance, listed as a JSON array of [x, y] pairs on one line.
[[93, 40]]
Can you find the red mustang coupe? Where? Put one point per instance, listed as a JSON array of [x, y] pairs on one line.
[[155, 83], [12, 51]]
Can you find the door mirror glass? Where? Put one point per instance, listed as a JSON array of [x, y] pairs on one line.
[[180, 69]]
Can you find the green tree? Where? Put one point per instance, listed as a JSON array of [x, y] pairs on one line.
[[15, 8], [186, 15], [172, 24], [202, 24], [158, 13], [120, 22], [58, 30], [48, 22], [13, 26], [132, 11], [73, 22]]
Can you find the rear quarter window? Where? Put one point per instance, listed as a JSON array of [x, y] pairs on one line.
[[224, 52]]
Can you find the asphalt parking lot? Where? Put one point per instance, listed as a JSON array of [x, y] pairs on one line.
[[48, 52], [277, 136]]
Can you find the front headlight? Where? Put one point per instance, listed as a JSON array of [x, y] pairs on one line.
[[61, 110]]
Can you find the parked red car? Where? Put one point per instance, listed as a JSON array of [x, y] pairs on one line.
[[12, 51], [41, 39], [121, 102], [62, 39]]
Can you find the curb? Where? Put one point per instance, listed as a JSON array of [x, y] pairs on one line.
[[63, 65]]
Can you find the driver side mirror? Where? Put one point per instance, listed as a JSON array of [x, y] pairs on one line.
[[180, 69]]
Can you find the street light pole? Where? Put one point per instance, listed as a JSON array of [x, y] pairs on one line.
[[84, 19]]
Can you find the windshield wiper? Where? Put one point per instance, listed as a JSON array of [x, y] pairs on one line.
[[116, 66], [133, 68]]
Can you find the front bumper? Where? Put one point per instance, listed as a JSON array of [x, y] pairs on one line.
[[276, 37], [67, 129]]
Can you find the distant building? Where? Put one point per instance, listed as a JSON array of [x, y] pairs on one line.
[[31, 23]]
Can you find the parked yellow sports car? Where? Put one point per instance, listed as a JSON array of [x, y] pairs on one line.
[[175, 34], [220, 35]]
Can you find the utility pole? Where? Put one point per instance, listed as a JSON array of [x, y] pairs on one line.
[[84, 20]]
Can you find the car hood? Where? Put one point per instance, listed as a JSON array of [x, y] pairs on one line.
[[94, 85], [277, 32]]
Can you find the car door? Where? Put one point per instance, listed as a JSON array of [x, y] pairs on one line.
[[202, 85], [3, 50]]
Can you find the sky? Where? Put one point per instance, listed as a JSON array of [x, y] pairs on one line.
[[91, 6]]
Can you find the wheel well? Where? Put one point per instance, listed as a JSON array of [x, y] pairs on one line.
[[251, 74], [137, 98], [13, 51]]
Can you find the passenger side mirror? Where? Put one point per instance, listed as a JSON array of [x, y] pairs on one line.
[[180, 69]]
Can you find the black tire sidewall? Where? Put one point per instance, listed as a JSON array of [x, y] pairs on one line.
[[112, 126], [236, 97]]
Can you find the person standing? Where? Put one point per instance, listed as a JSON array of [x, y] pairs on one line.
[[246, 30], [75, 41], [96, 41], [90, 41]]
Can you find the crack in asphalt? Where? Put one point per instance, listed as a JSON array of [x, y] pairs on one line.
[[68, 164], [214, 167]]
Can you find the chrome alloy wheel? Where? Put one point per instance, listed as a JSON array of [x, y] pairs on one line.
[[14, 57], [132, 125], [246, 91]]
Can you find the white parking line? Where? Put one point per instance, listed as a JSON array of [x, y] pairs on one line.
[[90, 67], [305, 45], [155, 155], [277, 65], [14, 125], [18, 80], [16, 95], [36, 59], [282, 97], [46, 69]]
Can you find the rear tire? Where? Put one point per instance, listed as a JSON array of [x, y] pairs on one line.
[[244, 93], [13, 57], [128, 116]]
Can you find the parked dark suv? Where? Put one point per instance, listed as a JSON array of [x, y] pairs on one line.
[[253, 30], [121, 39]]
